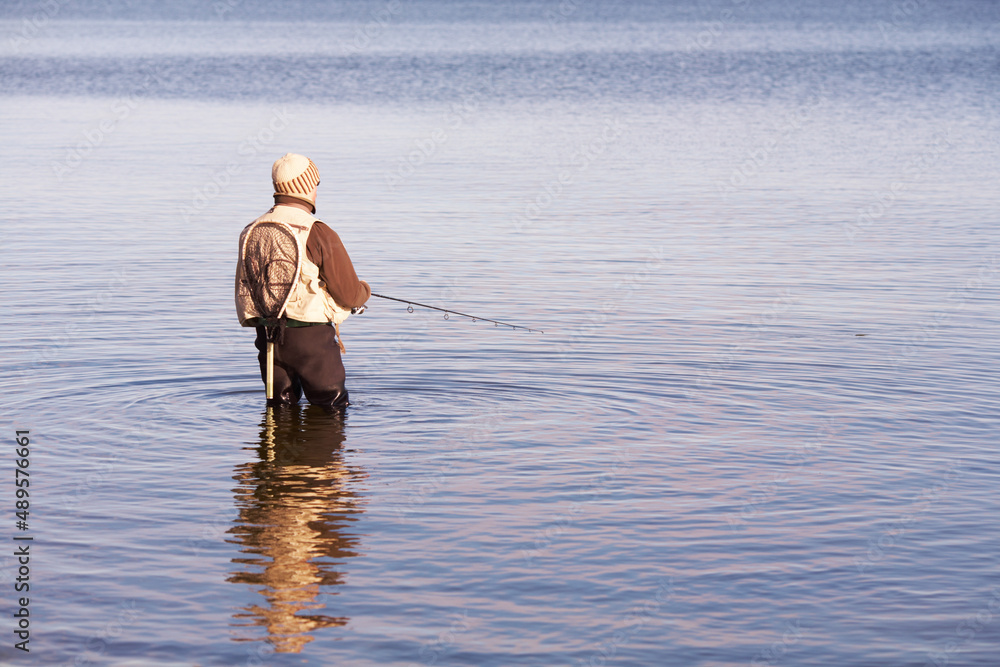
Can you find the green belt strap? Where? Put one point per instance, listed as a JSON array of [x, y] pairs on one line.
[[291, 324]]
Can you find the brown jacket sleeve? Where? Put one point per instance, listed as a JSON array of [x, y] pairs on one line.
[[326, 251]]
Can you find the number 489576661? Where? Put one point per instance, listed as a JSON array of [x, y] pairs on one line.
[[19, 472]]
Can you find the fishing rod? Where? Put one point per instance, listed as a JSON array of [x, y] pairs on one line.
[[411, 304]]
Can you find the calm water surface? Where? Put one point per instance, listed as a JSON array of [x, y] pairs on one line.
[[760, 427]]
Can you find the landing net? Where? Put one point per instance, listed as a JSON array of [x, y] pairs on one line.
[[270, 269]]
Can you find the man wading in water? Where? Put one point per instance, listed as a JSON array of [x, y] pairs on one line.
[[295, 283]]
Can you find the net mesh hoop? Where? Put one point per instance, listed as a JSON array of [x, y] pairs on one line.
[[256, 281]]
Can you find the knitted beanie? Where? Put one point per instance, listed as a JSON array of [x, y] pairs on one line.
[[295, 175]]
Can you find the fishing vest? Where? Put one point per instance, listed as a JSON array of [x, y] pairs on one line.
[[309, 300]]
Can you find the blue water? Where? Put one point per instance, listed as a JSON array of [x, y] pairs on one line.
[[760, 427]]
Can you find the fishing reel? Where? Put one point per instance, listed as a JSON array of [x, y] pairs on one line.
[[357, 310]]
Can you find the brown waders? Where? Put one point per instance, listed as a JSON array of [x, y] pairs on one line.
[[308, 360]]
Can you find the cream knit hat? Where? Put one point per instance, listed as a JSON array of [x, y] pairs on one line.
[[295, 175]]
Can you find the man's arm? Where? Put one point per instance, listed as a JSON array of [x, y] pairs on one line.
[[326, 250]]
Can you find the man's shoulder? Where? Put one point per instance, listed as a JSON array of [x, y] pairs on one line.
[[323, 231], [247, 229], [255, 221]]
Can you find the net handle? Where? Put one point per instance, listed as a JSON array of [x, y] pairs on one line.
[[269, 381]]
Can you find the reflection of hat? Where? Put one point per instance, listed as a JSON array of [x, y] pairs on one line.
[[295, 175]]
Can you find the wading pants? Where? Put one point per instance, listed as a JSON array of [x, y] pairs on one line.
[[308, 361]]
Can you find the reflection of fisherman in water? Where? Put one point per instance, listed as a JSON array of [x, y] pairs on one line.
[[296, 505]]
